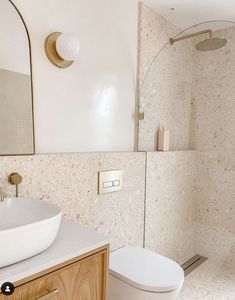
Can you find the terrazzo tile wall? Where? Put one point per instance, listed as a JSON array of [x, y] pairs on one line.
[[205, 177], [71, 181], [170, 204], [215, 210], [166, 90], [166, 100], [214, 91]]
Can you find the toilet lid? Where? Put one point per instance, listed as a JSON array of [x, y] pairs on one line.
[[146, 270]]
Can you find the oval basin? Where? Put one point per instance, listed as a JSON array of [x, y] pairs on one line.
[[27, 227]]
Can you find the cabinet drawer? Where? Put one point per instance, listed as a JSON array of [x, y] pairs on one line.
[[82, 280]]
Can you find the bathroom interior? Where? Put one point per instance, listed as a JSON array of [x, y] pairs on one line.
[[117, 150]]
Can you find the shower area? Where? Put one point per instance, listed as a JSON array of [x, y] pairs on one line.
[[187, 85]]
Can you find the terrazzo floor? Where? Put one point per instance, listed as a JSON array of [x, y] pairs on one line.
[[210, 281]]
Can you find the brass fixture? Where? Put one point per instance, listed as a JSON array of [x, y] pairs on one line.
[[193, 263], [2, 195], [52, 55], [209, 44], [62, 49], [188, 36], [140, 116], [15, 179]]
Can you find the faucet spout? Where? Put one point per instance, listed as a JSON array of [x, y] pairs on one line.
[[2, 195]]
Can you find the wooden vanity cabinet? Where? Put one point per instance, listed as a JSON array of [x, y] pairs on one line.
[[83, 278]]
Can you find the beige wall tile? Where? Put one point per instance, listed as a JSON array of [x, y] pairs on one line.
[[165, 83], [70, 181], [170, 204]]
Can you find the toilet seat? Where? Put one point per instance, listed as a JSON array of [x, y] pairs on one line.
[[146, 270]]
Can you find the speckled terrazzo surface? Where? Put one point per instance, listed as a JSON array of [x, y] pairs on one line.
[[192, 93], [214, 133], [165, 91], [170, 204], [188, 91], [71, 182], [215, 206], [213, 91], [210, 281]]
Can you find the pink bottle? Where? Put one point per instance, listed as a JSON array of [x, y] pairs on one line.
[[163, 139]]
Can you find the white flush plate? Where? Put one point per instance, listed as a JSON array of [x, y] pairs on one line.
[[110, 181]]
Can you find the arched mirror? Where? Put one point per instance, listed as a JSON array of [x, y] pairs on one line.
[[16, 101]]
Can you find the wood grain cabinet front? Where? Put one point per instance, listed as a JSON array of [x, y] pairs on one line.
[[81, 280]]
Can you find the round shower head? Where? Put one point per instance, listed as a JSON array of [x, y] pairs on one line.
[[211, 44]]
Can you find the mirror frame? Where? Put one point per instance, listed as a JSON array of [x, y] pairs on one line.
[[31, 76]]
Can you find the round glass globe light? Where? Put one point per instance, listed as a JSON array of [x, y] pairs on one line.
[[67, 46]]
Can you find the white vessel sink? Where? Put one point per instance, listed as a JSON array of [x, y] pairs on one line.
[[27, 227]]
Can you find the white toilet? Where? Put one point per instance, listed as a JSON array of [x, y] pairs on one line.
[[139, 274]]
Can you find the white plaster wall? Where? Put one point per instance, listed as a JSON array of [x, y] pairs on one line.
[[89, 106], [14, 50]]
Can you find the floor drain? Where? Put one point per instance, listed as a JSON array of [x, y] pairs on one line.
[[192, 264]]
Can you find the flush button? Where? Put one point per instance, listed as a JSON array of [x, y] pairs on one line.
[[107, 184], [110, 181], [116, 183]]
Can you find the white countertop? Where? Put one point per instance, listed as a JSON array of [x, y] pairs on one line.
[[73, 240]]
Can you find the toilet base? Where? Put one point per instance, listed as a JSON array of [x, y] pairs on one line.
[[119, 290]]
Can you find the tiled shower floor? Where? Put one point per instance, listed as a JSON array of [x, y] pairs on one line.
[[210, 281]]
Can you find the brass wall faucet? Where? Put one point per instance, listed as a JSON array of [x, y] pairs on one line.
[[15, 179]]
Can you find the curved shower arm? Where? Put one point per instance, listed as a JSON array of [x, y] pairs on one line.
[[159, 51], [188, 36]]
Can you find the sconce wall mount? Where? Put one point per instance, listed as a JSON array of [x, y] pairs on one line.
[[58, 47]]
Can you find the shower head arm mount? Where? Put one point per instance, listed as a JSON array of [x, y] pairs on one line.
[[173, 40]]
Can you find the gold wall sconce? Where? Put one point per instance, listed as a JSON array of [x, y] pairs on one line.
[[61, 49]]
